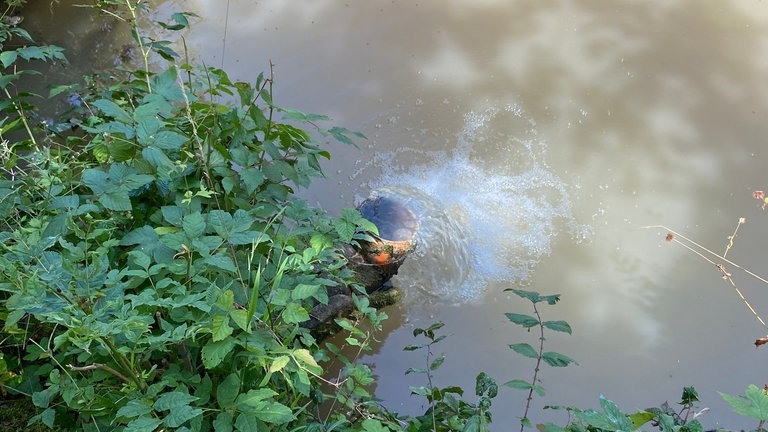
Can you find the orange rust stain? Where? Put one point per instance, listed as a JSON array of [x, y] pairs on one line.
[[381, 258]]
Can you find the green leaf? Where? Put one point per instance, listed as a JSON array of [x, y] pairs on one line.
[[252, 179], [345, 229], [518, 384], [372, 425], [278, 363], [172, 400], [159, 160], [525, 349], [143, 424], [304, 357], [437, 362], [559, 325], [227, 391], [113, 110], [180, 415], [640, 418], [134, 408], [221, 328], [613, 413], [215, 351], [259, 403], [193, 225], [240, 317], [223, 422], [222, 261], [246, 422], [303, 291], [533, 296], [7, 58], [556, 359], [294, 314], [526, 321], [753, 404], [690, 395]]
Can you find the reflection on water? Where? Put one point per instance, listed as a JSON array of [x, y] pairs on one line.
[[635, 114]]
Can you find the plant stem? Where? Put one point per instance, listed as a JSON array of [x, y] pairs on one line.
[[535, 370]]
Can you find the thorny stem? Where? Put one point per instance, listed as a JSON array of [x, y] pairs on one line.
[[700, 250], [535, 370]]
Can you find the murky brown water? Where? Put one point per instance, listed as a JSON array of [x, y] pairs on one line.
[[553, 131]]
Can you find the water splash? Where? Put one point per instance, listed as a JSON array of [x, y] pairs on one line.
[[489, 208]]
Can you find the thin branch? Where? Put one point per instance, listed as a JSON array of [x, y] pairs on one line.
[[102, 367]]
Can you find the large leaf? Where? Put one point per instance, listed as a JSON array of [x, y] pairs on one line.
[[227, 391], [214, 352], [260, 403], [753, 404]]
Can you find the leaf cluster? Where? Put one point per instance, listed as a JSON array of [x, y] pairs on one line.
[[156, 265]]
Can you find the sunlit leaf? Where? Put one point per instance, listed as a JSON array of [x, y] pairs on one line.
[[753, 404]]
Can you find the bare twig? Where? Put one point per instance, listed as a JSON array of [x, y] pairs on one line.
[[102, 367], [705, 254]]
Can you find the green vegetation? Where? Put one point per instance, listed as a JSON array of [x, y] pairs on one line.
[[156, 266]]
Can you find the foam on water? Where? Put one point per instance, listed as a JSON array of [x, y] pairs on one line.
[[489, 208]]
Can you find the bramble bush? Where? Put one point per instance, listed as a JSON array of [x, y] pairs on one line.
[[156, 264]]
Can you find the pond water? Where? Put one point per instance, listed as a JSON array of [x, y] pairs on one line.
[[542, 137]]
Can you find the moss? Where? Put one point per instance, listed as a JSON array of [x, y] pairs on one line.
[[15, 413]]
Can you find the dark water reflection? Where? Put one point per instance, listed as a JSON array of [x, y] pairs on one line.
[[649, 113]]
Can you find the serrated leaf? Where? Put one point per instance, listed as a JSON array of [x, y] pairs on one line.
[[753, 404], [345, 229], [526, 321], [252, 178], [223, 422], [556, 359], [143, 424], [134, 408], [559, 325], [303, 291], [220, 327], [525, 350], [180, 415], [227, 391], [240, 317], [614, 413], [305, 358], [530, 295], [294, 314], [193, 225], [169, 140], [222, 261], [215, 351], [259, 403], [172, 400], [278, 363], [246, 422], [113, 110]]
